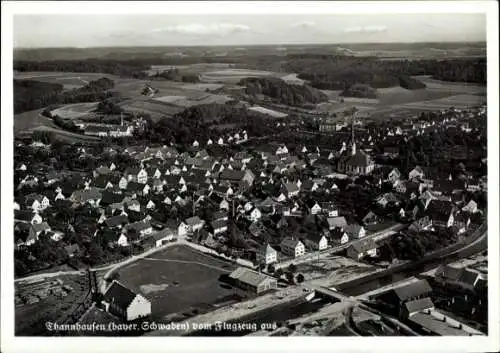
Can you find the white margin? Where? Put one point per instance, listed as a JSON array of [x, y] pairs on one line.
[[9, 343]]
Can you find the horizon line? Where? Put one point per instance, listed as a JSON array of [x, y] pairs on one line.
[[245, 45]]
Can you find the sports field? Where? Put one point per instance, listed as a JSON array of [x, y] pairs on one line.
[[181, 280]]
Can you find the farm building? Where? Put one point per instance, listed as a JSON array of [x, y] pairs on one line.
[[122, 302], [253, 281]]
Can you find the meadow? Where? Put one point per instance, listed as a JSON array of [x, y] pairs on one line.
[[180, 280]]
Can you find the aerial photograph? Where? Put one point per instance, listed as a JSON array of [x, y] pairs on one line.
[[250, 175]]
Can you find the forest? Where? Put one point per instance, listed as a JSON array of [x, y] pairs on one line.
[[283, 92], [31, 95], [177, 76]]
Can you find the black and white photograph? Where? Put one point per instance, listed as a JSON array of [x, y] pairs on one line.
[[263, 169]]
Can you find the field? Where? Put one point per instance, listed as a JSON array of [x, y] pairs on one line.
[[272, 113], [74, 111], [69, 80], [234, 75], [173, 97], [43, 301], [180, 280]]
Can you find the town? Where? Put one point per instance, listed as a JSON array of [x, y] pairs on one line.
[[273, 210], [251, 176]]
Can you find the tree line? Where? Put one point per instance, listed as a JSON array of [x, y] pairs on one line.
[[31, 95]]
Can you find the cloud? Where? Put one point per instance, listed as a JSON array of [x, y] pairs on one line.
[[366, 29], [220, 29], [304, 24]]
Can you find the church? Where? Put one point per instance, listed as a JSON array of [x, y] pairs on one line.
[[355, 162]]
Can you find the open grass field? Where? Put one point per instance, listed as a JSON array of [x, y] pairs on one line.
[[69, 80], [74, 111], [194, 68], [180, 280], [156, 109], [235, 75]]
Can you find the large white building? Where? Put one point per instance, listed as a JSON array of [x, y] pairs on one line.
[[122, 302]]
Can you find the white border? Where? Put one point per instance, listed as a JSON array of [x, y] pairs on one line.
[[10, 343]]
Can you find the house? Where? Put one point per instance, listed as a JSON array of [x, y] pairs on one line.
[[266, 255], [219, 226], [387, 199], [91, 196], [163, 236], [37, 202], [416, 173], [251, 280], [401, 295], [293, 247], [290, 189], [191, 225], [237, 176], [314, 207], [141, 228], [138, 188], [254, 215], [336, 222], [441, 213], [362, 248], [463, 278], [355, 231], [122, 302], [330, 209], [116, 222], [393, 176], [139, 175], [338, 236], [220, 215], [27, 217], [471, 207], [316, 241], [421, 224], [35, 231], [370, 218]]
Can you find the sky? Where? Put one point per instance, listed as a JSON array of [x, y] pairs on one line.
[[89, 30]]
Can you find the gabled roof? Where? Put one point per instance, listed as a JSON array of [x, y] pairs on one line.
[[248, 276], [41, 227], [138, 226], [166, 232], [191, 221], [219, 223], [337, 222], [291, 242], [119, 295], [413, 289], [419, 305], [364, 245], [116, 221]]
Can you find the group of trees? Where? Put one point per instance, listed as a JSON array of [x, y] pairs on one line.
[[413, 246], [283, 92], [176, 75], [194, 123], [31, 95], [337, 72], [359, 90]]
